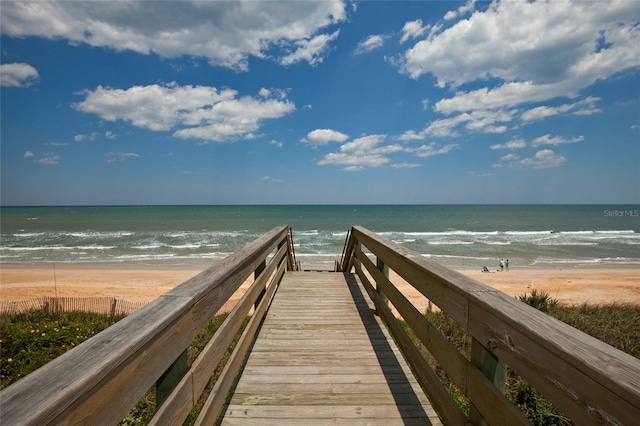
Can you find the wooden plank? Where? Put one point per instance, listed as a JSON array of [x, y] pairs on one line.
[[314, 362], [216, 399], [588, 380], [181, 401], [489, 399]]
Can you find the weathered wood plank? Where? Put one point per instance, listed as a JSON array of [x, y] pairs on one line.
[[311, 359], [588, 380]]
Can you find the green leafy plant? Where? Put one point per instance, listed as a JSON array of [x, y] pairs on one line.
[[541, 300]]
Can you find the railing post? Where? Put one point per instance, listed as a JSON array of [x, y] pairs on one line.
[[170, 379], [385, 271], [492, 368], [256, 274]]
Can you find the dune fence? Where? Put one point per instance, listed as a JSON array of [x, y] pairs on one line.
[[99, 305]]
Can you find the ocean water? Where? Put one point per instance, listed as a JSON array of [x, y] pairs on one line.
[[457, 236]]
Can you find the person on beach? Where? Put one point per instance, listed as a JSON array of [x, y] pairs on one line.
[[501, 265], [506, 265]]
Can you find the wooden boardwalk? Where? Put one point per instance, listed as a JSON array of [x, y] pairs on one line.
[[322, 357]]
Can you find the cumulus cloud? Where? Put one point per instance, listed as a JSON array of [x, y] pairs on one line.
[[462, 10], [485, 121], [506, 44], [226, 33], [360, 153], [29, 154], [371, 151], [195, 112], [372, 42], [544, 159], [324, 136], [311, 50], [584, 107], [413, 29], [583, 42], [17, 75]]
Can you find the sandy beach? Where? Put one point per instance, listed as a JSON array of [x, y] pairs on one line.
[[573, 285]]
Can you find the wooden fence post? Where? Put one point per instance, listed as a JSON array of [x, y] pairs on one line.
[[171, 378], [492, 368], [385, 271], [256, 274], [114, 301]]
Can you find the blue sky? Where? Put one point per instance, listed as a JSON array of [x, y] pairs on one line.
[[313, 103]]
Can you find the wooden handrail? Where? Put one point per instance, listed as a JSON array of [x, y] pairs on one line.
[[101, 379], [588, 380]]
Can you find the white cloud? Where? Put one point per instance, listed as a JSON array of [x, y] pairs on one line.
[[512, 144], [432, 149], [276, 143], [226, 33], [586, 107], [544, 159], [554, 140], [113, 157], [80, 138], [372, 42], [49, 159], [362, 152], [29, 154], [413, 29], [270, 179], [17, 75], [520, 52], [485, 121], [404, 165], [311, 50], [504, 42], [462, 10], [200, 112], [324, 136]]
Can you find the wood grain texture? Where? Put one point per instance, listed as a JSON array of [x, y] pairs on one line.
[[322, 356], [590, 381]]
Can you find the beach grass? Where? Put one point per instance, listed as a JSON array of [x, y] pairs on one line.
[[30, 340]]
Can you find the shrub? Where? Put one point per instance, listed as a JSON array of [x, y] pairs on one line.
[[541, 300]]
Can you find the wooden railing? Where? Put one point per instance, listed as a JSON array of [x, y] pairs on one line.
[[100, 380], [588, 380]]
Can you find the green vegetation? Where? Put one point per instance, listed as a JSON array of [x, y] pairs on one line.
[[615, 324], [540, 300], [28, 341]]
